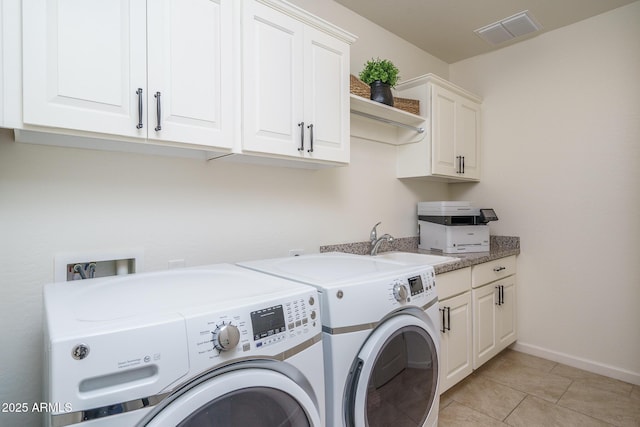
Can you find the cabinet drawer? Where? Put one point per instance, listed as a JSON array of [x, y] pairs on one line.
[[493, 270], [453, 283]]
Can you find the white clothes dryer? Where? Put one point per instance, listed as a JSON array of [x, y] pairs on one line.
[[380, 335], [211, 346]]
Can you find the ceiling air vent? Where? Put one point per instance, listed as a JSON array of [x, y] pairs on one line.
[[509, 28]]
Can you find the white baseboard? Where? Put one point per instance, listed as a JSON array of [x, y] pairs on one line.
[[577, 362]]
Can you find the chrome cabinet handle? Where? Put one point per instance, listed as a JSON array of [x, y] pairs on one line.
[[158, 112], [139, 93], [310, 127], [301, 126]]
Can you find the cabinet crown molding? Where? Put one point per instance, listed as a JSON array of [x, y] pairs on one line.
[[311, 20], [433, 78]]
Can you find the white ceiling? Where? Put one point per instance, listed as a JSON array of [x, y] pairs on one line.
[[444, 28]]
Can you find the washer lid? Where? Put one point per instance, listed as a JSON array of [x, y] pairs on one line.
[[330, 269], [214, 288]]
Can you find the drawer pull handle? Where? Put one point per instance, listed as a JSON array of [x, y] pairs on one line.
[[498, 269]]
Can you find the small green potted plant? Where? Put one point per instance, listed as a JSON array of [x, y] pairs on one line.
[[381, 75]]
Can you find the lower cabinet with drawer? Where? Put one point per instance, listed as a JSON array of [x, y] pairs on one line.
[[478, 317], [456, 362], [494, 308]]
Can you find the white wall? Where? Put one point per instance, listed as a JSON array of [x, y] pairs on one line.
[[561, 135], [55, 200]]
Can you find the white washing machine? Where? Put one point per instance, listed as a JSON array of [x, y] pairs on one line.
[[380, 332], [211, 346]]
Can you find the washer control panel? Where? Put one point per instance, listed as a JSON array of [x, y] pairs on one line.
[[255, 329]]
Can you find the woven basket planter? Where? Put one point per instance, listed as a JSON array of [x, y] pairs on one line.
[[360, 88]]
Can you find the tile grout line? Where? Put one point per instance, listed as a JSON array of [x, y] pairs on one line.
[[572, 379], [504, 420], [565, 392]]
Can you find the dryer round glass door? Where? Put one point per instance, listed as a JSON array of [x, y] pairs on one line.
[[247, 397], [394, 379]]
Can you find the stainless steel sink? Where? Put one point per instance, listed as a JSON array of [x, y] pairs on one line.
[[416, 258]]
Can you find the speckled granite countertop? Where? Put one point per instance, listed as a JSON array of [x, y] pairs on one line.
[[501, 247]]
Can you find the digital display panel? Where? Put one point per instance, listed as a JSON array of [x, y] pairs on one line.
[[415, 283], [267, 322]]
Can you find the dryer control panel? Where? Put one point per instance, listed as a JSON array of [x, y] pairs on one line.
[[416, 288]]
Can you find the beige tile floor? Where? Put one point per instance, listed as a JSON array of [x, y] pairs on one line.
[[517, 389]]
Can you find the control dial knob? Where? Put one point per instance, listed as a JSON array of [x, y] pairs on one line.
[[226, 337], [400, 292]]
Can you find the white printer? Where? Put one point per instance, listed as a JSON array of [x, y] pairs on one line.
[[454, 227]]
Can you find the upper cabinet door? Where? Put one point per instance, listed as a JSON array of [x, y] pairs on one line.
[[83, 61], [295, 84], [190, 71], [450, 150], [456, 133], [272, 81], [468, 137], [327, 96], [443, 122]]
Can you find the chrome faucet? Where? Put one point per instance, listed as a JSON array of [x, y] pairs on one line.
[[377, 241]]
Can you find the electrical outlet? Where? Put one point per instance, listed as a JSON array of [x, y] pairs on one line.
[[296, 252]]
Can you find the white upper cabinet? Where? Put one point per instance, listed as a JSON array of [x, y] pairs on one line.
[[190, 64], [327, 96], [260, 78], [295, 84], [455, 138], [82, 63], [272, 81], [157, 69], [450, 150]]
